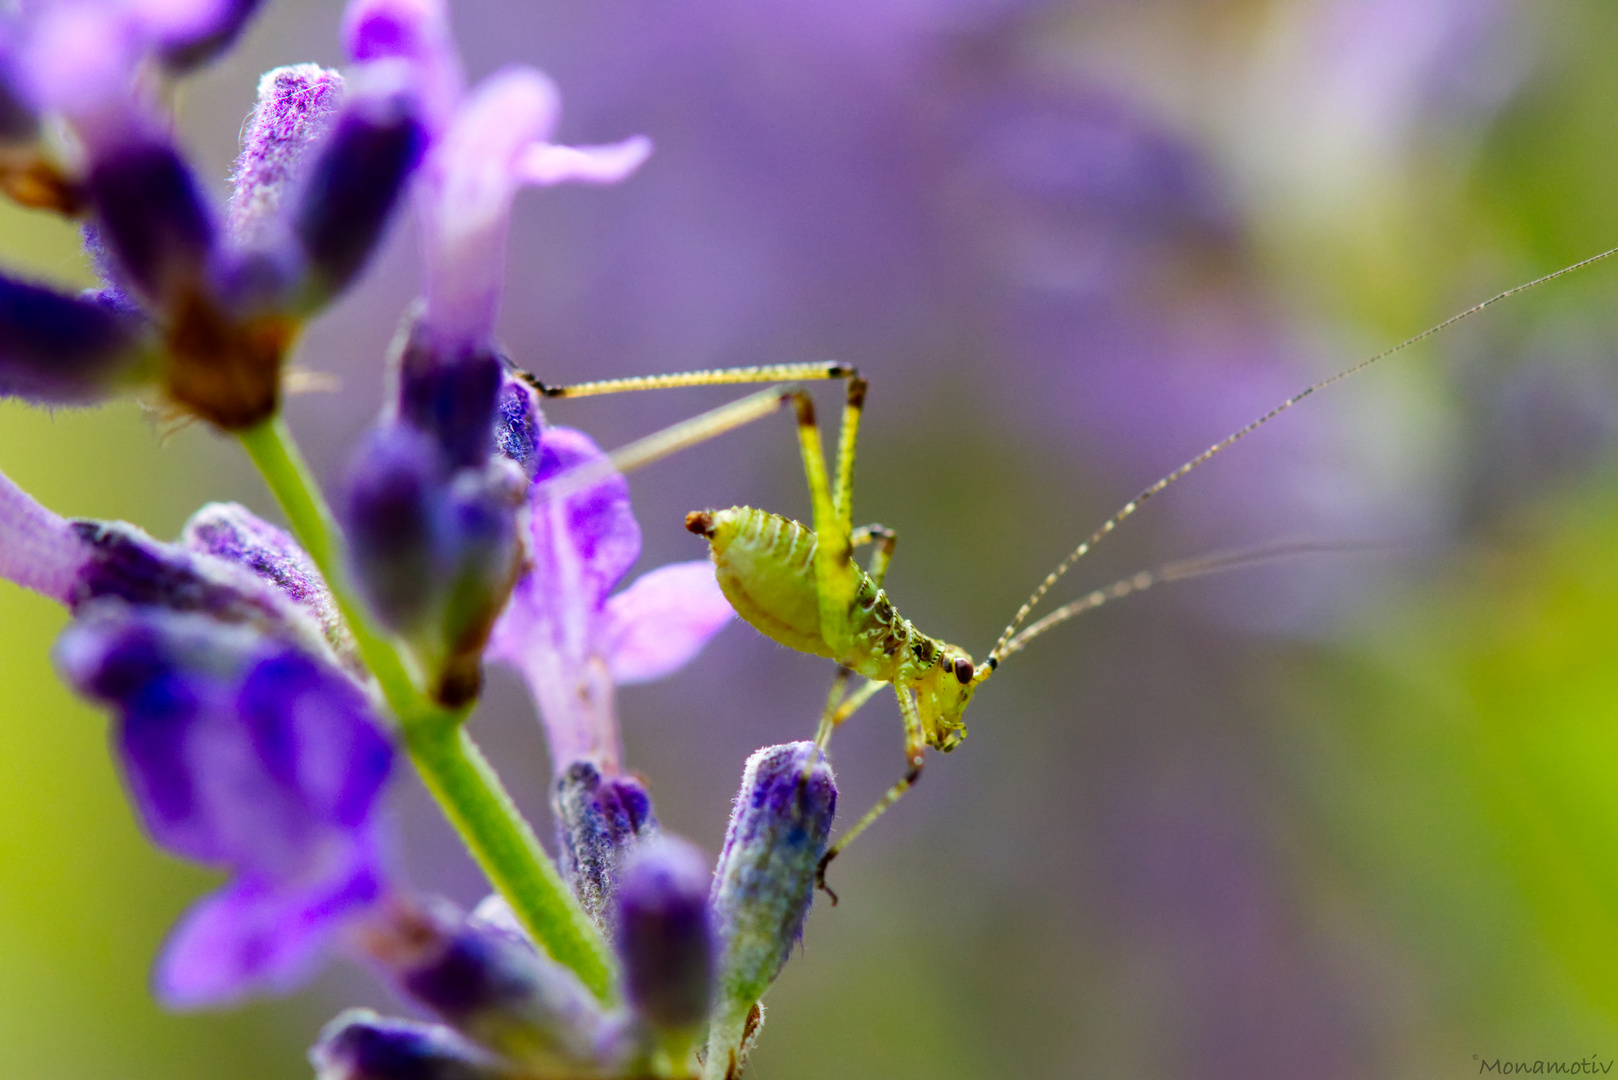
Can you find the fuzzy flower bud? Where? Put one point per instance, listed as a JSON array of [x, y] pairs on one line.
[[599, 820], [765, 882], [355, 183], [360, 1045], [231, 532], [61, 350], [495, 988], [152, 218], [452, 398], [296, 108], [664, 934]]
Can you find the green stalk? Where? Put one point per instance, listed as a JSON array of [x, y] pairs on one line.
[[454, 770]]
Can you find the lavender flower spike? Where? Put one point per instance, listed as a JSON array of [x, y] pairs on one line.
[[38, 550], [765, 883]]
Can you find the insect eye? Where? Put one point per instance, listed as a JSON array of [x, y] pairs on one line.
[[963, 670]]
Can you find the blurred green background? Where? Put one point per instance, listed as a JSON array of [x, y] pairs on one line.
[[1358, 818]]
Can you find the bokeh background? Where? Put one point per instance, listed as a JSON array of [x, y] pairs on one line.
[[1351, 815]]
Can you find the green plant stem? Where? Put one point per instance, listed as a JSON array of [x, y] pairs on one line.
[[454, 770]]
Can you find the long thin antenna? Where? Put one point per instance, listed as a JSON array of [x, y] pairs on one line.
[[1134, 504], [1200, 566]]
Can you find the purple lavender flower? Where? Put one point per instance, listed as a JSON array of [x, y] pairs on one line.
[[244, 752], [244, 740], [572, 640], [487, 143], [225, 304]]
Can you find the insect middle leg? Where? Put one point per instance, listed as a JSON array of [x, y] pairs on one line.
[[915, 757]]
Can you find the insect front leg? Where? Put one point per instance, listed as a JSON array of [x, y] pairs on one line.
[[915, 757]]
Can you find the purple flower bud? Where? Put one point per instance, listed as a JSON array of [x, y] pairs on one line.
[[360, 1045], [152, 219], [498, 990], [296, 108], [38, 549], [765, 880], [58, 349], [355, 183], [436, 550], [665, 934], [518, 425], [125, 564], [453, 398], [599, 820], [208, 37], [417, 34], [240, 751], [231, 532], [392, 485]]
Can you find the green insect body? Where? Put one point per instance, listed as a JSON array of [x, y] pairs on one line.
[[766, 566], [801, 587]]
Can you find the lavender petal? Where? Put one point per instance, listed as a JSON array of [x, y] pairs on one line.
[[660, 623]]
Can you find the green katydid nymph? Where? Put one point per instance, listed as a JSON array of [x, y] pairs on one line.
[[801, 586]]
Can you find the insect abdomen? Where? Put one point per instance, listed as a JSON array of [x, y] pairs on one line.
[[765, 565]]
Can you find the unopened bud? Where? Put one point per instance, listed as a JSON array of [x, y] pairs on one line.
[[392, 484], [451, 398], [354, 185], [765, 882], [599, 820], [62, 350], [496, 989], [664, 933], [360, 1045], [296, 108], [152, 218]]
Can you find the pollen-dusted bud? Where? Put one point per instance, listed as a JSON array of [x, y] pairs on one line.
[[599, 820], [765, 882], [63, 350], [296, 108], [360, 1045], [665, 934], [497, 989], [518, 425], [152, 218], [231, 532], [354, 184]]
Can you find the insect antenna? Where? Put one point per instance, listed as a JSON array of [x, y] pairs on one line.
[[1000, 649], [1180, 570]]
